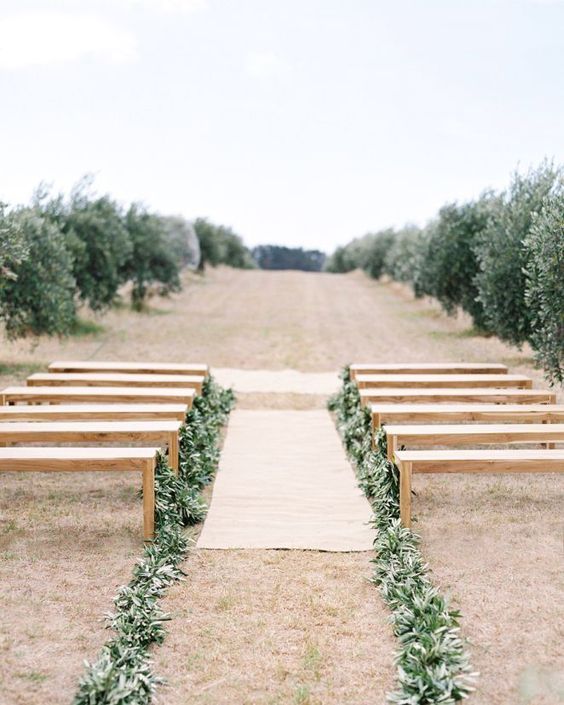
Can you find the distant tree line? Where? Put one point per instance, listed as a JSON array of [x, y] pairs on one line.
[[60, 252], [279, 257], [500, 258]]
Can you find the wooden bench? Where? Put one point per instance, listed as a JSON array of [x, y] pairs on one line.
[[453, 413], [94, 412], [436, 368], [160, 368], [142, 460], [439, 381], [163, 433], [441, 395], [93, 395], [481, 461], [107, 379], [470, 434]]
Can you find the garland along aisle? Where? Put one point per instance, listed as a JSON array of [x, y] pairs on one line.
[[122, 673], [432, 664]]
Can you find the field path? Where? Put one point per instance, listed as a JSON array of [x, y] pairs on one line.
[[284, 482]]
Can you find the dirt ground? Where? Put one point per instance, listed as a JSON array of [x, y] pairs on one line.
[[495, 544]]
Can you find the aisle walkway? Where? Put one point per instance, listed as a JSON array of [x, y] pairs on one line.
[[284, 482]]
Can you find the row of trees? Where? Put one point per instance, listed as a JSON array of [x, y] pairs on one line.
[[279, 257], [62, 252], [500, 258]]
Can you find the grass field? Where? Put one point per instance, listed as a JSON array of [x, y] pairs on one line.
[[270, 627]]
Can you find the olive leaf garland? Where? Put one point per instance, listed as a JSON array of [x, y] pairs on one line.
[[432, 663], [122, 674]]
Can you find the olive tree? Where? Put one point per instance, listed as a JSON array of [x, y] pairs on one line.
[[544, 285], [503, 258], [450, 264], [38, 297], [152, 259]]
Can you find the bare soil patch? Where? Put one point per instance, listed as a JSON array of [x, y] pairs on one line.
[[494, 543]]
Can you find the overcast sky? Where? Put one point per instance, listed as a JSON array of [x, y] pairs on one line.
[[302, 122]]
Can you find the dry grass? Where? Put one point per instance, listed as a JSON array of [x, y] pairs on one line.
[[65, 543], [275, 627]]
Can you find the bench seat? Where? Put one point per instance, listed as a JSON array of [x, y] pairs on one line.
[[90, 395], [159, 368], [94, 412], [480, 461], [452, 413], [107, 379], [470, 434], [444, 380], [164, 433], [141, 460], [436, 368], [441, 395]]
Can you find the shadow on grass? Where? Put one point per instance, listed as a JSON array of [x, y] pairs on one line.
[[83, 327], [20, 369], [471, 332]]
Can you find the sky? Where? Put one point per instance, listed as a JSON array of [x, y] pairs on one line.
[[297, 122]]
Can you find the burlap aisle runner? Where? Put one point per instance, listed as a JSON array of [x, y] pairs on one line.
[[284, 482]]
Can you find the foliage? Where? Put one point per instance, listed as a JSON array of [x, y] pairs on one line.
[[503, 257], [544, 293], [403, 258], [277, 257], [122, 673], [367, 253], [339, 262], [96, 237], [182, 240], [432, 663], [220, 245], [152, 260], [38, 295], [13, 247], [450, 265]]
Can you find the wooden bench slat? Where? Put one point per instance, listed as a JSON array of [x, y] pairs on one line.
[[427, 368], [93, 379], [468, 434], [161, 432], [94, 412], [449, 413], [40, 395], [445, 380], [441, 395], [476, 461], [171, 368], [90, 460]]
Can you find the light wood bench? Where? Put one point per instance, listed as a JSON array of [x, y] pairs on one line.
[[163, 433], [470, 434], [93, 395], [141, 460], [436, 368], [161, 368], [442, 395], [439, 381], [480, 461], [108, 379], [94, 412], [454, 413]]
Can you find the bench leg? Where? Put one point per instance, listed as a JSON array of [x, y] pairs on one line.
[[550, 446], [405, 494], [149, 501], [375, 427], [173, 452], [391, 446]]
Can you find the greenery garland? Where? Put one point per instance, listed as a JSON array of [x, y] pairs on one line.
[[432, 664], [122, 674]]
